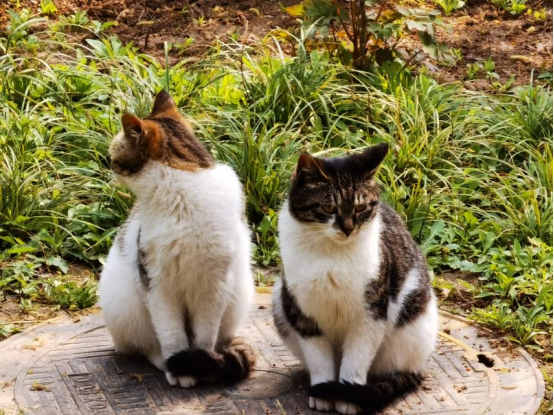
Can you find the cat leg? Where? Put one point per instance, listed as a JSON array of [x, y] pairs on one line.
[[406, 349], [156, 358], [168, 321], [318, 355], [359, 349], [205, 322], [240, 300]]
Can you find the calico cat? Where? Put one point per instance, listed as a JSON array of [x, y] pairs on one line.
[[177, 281], [355, 304]]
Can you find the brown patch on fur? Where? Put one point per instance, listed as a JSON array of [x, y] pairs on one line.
[[181, 149], [229, 363], [165, 136]]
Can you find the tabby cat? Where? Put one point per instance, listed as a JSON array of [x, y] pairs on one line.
[[177, 282], [355, 304]]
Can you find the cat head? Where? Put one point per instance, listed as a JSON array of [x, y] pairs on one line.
[[163, 137], [338, 196]]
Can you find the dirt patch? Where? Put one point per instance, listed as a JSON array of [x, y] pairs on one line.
[[150, 23], [520, 46]]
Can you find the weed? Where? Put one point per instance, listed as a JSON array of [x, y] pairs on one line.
[[450, 5], [48, 8], [70, 295], [512, 7], [365, 38]]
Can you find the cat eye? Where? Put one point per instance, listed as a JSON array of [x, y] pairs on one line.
[[329, 208], [360, 208]]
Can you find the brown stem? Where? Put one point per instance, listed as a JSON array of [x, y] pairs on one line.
[[380, 10]]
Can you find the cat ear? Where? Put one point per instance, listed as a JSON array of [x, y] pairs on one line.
[[372, 158], [309, 167], [133, 126], [143, 133], [164, 104]]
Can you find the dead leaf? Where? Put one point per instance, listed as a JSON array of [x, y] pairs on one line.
[[137, 376], [521, 58], [37, 386], [295, 11]]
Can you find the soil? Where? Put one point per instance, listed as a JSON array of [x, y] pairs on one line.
[[520, 46], [13, 314]]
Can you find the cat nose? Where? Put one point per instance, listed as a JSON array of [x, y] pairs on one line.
[[348, 226]]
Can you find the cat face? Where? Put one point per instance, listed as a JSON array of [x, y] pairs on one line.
[[337, 196], [164, 137]]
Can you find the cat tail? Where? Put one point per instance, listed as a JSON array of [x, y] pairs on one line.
[[229, 364], [374, 396]]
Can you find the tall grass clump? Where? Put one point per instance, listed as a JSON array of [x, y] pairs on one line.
[[470, 173]]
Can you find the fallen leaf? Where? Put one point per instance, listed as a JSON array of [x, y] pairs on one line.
[[39, 387], [296, 11], [137, 376], [521, 58]]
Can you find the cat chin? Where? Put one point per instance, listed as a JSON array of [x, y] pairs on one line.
[[341, 239]]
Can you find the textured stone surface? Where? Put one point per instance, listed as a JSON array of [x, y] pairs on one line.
[[71, 368]]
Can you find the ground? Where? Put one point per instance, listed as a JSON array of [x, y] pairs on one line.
[[520, 47]]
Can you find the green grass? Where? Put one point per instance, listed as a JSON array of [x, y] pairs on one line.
[[471, 173]]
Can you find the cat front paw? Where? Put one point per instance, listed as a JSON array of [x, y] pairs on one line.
[[346, 408], [183, 381], [319, 404]]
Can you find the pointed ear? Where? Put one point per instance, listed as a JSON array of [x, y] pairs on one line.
[[164, 104], [132, 126], [310, 168], [372, 158], [143, 133]]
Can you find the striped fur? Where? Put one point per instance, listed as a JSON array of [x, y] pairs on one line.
[[228, 364], [378, 393], [355, 304]]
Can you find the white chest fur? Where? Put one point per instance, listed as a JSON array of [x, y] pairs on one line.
[[188, 221], [328, 279]]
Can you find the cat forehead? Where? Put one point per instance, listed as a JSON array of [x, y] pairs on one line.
[[342, 191]]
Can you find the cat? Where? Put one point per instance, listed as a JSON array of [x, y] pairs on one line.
[[177, 281], [355, 303]]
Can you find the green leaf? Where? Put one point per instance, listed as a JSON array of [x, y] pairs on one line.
[[58, 262]]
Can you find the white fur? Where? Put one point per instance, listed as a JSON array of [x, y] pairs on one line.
[[197, 246], [327, 274]]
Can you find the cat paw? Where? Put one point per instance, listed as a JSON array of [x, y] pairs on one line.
[[320, 404], [183, 381], [346, 408]]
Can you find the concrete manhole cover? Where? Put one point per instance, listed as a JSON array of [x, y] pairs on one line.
[[71, 368]]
